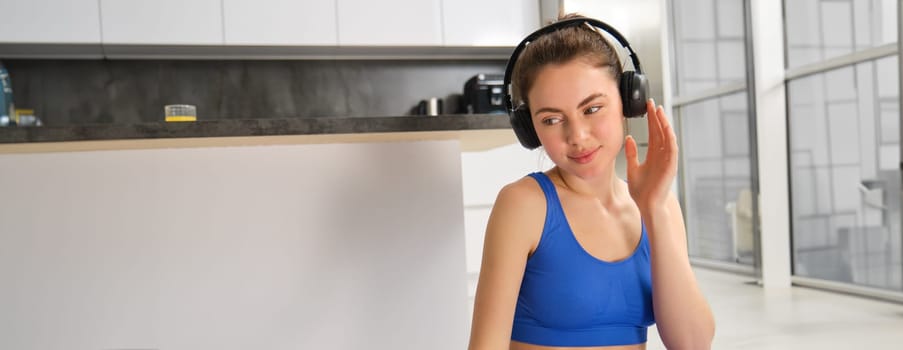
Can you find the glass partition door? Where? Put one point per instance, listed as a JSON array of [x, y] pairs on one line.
[[845, 175]]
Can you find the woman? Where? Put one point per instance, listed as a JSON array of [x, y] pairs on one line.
[[575, 256]]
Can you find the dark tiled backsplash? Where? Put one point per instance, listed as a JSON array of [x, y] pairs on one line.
[[72, 92]]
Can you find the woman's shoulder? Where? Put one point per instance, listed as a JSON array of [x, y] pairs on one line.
[[525, 191], [518, 215], [521, 201]]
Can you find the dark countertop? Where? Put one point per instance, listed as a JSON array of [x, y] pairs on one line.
[[254, 127], [475, 131]]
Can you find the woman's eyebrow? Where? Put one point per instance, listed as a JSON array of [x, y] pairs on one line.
[[586, 100], [589, 98]]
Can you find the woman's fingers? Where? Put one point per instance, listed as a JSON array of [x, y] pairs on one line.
[[652, 125], [668, 148], [662, 146], [670, 137], [663, 127], [630, 152]]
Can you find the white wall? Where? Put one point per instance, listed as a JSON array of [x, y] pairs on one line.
[[343, 246], [768, 54]]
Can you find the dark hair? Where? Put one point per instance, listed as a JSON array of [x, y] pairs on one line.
[[558, 47]]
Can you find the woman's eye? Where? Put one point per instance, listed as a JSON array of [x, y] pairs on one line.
[[592, 109], [551, 121]]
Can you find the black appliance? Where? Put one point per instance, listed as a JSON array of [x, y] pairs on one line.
[[483, 94]]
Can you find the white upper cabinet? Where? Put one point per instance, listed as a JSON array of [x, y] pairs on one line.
[[390, 22], [162, 22], [206, 28], [50, 21], [280, 22], [488, 23]]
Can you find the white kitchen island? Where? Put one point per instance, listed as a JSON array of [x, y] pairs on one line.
[[331, 241]]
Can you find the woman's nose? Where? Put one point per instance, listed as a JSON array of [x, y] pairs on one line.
[[577, 130]]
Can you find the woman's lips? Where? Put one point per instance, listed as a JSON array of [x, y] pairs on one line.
[[584, 157]]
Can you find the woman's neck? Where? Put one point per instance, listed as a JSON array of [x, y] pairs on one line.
[[606, 187]]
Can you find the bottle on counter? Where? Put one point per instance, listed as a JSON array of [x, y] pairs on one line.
[[180, 113], [7, 109]]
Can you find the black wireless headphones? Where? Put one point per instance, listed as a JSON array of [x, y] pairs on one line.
[[632, 86]]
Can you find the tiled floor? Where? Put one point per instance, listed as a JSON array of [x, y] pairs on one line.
[[749, 317]]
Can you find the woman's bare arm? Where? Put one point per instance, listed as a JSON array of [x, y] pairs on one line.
[[682, 314], [513, 230]]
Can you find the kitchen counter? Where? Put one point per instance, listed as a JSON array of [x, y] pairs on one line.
[[476, 132], [242, 240]]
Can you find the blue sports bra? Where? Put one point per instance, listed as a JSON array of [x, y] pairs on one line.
[[570, 298]]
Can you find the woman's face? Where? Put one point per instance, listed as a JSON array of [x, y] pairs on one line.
[[576, 111]]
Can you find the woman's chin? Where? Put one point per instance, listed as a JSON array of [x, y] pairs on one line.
[[585, 171]]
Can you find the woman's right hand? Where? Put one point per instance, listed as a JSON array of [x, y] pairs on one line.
[[650, 182]]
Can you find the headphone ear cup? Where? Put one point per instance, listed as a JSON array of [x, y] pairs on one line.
[[633, 88], [522, 123]]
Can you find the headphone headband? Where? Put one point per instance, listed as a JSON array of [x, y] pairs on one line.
[[554, 27]]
